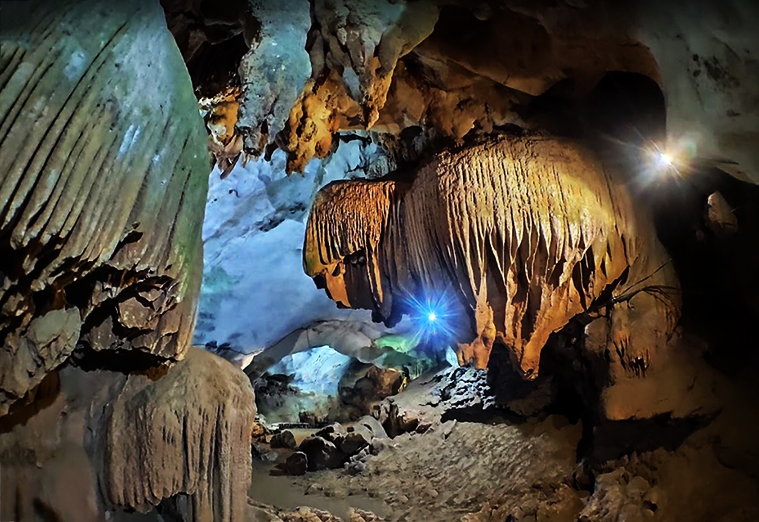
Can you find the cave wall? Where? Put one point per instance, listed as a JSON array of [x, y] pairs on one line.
[[707, 56], [254, 291], [460, 68]]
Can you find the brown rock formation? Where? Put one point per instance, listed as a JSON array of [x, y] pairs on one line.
[[103, 169], [528, 232], [185, 437], [103, 440]]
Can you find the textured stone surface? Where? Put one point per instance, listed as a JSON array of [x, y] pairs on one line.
[[273, 71], [107, 441], [195, 426], [533, 232], [469, 67], [102, 180], [258, 213]]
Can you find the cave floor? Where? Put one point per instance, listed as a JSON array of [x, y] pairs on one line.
[[442, 474], [497, 469]]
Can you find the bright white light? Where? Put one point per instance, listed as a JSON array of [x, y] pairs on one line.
[[432, 317], [665, 159]]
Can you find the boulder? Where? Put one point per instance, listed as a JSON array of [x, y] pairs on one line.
[[370, 428], [333, 433], [321, 453], [284, 439], [353, 442], [296, 464]]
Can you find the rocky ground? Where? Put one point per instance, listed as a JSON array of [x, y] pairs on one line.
[[454, 465]]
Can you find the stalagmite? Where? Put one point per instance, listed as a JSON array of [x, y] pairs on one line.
[[103, 179], [183, 440]]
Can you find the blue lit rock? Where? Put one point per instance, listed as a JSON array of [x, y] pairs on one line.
[[254, 292]]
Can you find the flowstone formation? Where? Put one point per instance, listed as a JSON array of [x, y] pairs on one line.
[[523, 233], [102, 188], [103, 178], [105, 441], [195, 423]]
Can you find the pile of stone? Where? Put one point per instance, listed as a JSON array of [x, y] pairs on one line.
[[333, 446]]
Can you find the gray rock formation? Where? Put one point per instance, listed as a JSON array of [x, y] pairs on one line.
[[102, 183], [103, 178]]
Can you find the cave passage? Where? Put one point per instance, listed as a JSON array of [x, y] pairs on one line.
[[379, 261]]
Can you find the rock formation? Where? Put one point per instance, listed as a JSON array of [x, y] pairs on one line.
[[531, 232], [253, 237], [113, 442], [183, 440], [456, 68], [103, 180]]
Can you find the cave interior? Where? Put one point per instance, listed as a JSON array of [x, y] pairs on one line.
[[379, 260]]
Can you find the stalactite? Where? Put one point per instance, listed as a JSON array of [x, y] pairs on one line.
[[529, 232]]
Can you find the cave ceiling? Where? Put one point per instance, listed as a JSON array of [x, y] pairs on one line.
[[297, 73]]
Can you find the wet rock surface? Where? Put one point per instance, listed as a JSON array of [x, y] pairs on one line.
[[101, 194]]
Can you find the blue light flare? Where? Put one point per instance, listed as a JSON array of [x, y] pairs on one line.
[[434, 318]]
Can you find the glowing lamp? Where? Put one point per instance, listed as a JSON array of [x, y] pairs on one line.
[[665, 159]]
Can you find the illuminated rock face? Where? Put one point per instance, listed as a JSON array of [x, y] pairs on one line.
[[103, 178], [526, 233], [103, 168], [315, 68]]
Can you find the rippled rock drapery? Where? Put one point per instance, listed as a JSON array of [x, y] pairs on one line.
[[183, 440], [103, 178], [103, 168], [531, 232], [106, 441]]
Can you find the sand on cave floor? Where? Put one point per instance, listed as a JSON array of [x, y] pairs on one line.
[[289, 492], [441, 475]]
